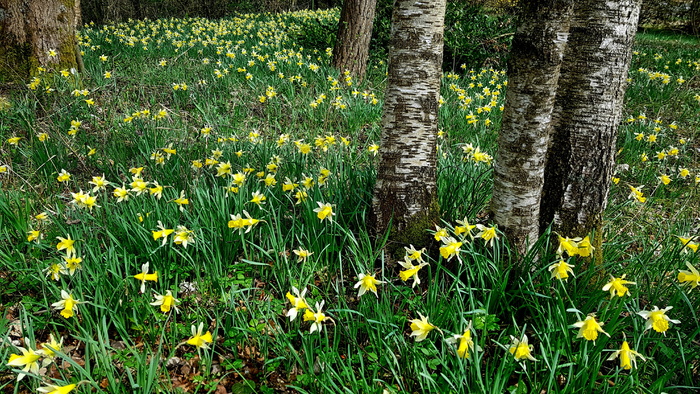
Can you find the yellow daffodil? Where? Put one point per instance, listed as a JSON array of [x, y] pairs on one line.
[[450, 248], [166, 302], [464, 227], [636, 194], [258, 198], [568, 245], [28, 361], [181, 201], [628, 357], [584, 247], [72, 264], [63, 176], [298, 303], [34, 235], [302, 254], [617, 286], [665, 179], [689, 244], [66, 244], [367, 282], [464, 341], [589, 328], [689, 278], [440, 233], [162, 232], [421, 327], [488, 234], [144, 276], [520, 349], [53, 389], [240, 222], [316, 318], [49, 349], [183, 236], [67, 304], [657, 319], [324, 211], [99, 182], [199, 340], [414, 254], [411, 271], [561, 270]]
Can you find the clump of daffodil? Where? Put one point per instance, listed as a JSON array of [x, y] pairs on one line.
[[367, 282], [521, 349], [239, 222], [657, 319], [183, 236], [589, 328], [420, 328], [617, 286]]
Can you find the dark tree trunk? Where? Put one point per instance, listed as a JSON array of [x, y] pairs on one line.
[[30, 30], [354, 33]]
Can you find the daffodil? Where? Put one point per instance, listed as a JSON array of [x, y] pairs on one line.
[[162, 232], [520, 349], [181, 201], [636, 194], [66, 244], [561, 270], [450, 248], [568, 245], [414, 254], [239, 222], [144, 276], [28, 361], [302, 254], [411, 271], [72, 263], [689, 244], [121, 193], [367, 282], [166, 302], [53, 389], [156, 190], [99, 182], [488, 234], [54, 271], [183, 236], [324, 211], [421, 327], [689, 278], [657, 319], [617, 285], [67, 304], [33, 235], [440, 233], [584, 247], [316, 318], [258, 198], [589, 328], [63, 176], [199, 340], [298, 303], [464, 227], [628, 357], [48, 349], [464, 341]]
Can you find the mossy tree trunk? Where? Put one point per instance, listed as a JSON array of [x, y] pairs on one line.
[[351, 49], [586, 116], [533, 76], [31, 31], [405, 194]]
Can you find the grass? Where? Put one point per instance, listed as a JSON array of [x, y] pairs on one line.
[[185, 98]]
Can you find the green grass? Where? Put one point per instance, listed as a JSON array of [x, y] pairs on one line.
[[235, 281]]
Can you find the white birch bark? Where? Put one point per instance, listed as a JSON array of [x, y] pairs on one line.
[[587, 112], [406, 177], [533, 75]]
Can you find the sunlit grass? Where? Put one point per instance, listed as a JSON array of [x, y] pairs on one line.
[[240, 166]]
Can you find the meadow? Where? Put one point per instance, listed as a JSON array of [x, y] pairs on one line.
[[190, 215]]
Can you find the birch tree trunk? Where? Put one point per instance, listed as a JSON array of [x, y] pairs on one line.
[[533, 76], [29, 30], [405, 193], [354, 33], [587, 112]]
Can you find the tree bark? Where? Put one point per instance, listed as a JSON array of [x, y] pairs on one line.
[[405, 194], [354, 33], [533, 76], [29, 30], [586, 115]]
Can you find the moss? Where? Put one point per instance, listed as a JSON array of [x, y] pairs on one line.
[[14, 63], [415, 233]]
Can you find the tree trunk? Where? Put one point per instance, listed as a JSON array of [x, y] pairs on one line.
[[405, 194], [586, 115], [354, 33], [533, 75], [30, 30], [695, 17]]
